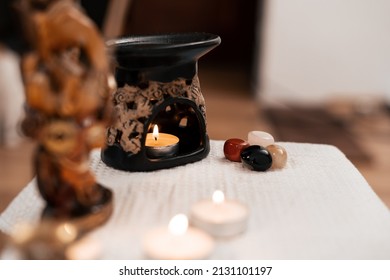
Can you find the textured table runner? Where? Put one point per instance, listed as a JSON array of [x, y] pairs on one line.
[[318, 207]]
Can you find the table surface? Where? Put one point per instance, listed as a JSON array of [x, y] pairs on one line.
[[318, 207]]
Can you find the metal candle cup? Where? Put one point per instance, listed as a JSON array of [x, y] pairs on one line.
[[160, 145]]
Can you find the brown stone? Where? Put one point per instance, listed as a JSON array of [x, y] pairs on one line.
[[279, 156]]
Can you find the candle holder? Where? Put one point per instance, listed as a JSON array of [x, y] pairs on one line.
[[158, 85]]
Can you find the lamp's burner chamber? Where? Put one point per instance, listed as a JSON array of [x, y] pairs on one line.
[[160, 110]]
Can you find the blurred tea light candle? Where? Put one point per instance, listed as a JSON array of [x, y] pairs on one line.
[[260, 138], [220, 217], [87, 248], [178, 241], [160, 145]]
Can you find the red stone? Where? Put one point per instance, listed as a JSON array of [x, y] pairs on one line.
[[233, 148]]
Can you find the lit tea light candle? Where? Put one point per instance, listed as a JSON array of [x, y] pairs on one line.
[[220, 217], [178, 241], [160, 145]]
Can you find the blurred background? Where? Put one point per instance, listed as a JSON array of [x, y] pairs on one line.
[[305, 71]]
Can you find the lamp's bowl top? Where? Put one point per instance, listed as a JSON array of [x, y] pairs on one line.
[[145, 50]]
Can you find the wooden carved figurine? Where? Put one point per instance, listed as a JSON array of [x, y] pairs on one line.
[[68, 86]]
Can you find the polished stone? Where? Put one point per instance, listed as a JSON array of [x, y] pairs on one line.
[[279, 156], [260, 138], [256, 158], [233, 147]]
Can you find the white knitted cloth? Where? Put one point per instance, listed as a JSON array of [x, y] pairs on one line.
[[318, 207]]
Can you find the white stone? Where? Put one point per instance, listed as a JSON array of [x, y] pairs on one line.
[[260, 138]]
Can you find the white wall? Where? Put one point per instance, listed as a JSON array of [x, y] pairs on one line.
[[313, 49], [11, 98]]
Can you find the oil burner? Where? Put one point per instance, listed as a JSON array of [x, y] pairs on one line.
[[160, 110]]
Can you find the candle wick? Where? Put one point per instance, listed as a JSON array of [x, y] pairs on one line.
[[155, 138]]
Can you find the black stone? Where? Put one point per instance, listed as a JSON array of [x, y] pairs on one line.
[[256, 158]]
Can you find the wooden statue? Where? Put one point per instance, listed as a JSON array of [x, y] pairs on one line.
[[68, 87]]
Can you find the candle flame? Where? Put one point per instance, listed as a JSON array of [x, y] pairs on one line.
[[218, 197], [155, 132], [178, 224]]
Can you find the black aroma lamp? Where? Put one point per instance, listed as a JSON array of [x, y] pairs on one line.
[[158, 88]]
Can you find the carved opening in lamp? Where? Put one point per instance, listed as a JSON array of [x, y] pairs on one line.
[[158, 84]]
